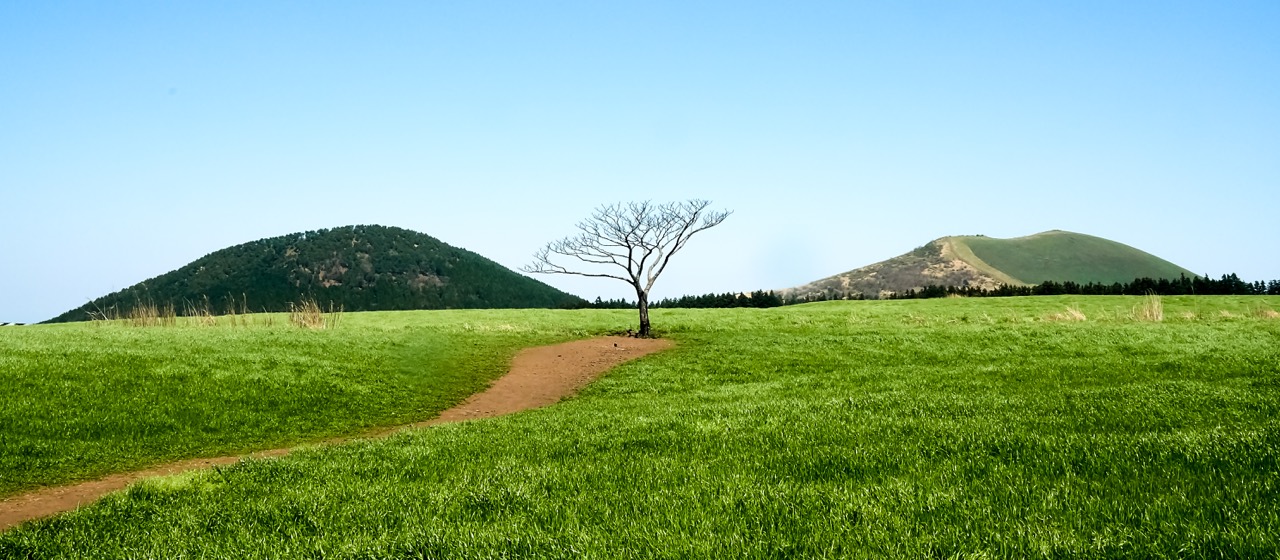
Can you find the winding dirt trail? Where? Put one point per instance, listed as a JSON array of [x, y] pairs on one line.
[[538, 377]]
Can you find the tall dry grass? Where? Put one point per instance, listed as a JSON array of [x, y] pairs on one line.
[[150, 314], [1072, 313], [1151, 309], [310, 315], [200, 312], [236, 312], [100, 315]]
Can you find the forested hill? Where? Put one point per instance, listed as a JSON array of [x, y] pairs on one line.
[[361, 268]]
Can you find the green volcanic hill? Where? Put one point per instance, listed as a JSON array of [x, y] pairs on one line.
[[361, 268], [986, 262]]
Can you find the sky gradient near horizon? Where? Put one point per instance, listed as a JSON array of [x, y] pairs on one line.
[[136, 137]]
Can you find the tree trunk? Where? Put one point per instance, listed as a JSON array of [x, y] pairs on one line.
[[642, 299]]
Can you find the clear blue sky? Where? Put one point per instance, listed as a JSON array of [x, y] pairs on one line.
[[136, 136]]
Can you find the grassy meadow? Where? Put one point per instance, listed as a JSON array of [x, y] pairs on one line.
[[1020, 427], [85, 399]]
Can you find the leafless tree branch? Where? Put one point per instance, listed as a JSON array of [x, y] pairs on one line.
[[638, 237]]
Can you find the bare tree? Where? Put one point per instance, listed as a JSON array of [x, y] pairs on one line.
[[637, 237]]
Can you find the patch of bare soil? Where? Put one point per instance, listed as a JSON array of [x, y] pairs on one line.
[[538, 377]]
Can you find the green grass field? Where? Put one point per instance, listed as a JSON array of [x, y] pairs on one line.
[[85, 399], [926, 428]]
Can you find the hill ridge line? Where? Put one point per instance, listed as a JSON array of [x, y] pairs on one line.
[[960, 251]]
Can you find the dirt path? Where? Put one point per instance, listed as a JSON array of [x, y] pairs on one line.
[[538, 377]]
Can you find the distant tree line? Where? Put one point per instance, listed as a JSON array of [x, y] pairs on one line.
[[758, 298], [1229, 284], [828, 294]]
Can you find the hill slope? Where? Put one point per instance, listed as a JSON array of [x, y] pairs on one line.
[[987, 262], [1064, 256], [361, 268]]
